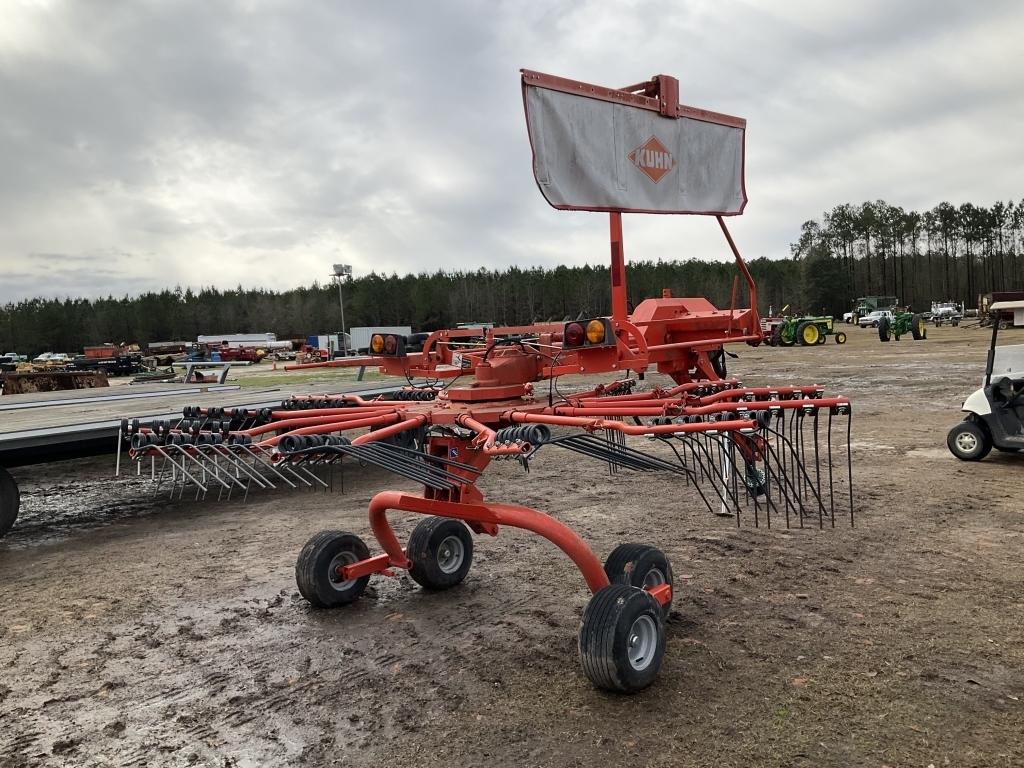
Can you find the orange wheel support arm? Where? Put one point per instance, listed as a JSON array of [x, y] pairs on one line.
[[528, 519]]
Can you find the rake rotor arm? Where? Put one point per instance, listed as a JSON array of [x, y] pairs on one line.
[[592, 424], [325, 429], [412, 422]]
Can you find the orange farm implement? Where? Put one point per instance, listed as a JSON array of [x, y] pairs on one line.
[[769, 455]]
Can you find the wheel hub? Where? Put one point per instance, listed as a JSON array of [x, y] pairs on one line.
[[966, 442], [654, 578], [340, 560], [642, 642], [450, 554]]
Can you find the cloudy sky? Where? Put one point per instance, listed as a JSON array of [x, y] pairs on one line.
[[149, 144]]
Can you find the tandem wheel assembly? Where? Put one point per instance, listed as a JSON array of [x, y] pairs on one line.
[[621, 638]]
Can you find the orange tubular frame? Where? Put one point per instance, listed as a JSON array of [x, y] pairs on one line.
[[500, 386]]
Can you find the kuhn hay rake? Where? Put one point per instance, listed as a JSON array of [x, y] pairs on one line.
[[769, 455]]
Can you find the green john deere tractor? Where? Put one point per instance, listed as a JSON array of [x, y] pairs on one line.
[[900, 324], [806, 331]]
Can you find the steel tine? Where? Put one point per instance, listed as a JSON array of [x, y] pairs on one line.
[[265, 464]]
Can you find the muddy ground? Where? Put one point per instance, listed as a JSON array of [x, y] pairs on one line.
[[139, 632]]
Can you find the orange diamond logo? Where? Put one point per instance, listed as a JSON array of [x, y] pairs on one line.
[[653, 159]]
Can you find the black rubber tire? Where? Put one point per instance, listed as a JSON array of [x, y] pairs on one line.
[[313, 571], [982, 442], [823, 337], [640, 565], [429, 549], [10, 501], [917, 328], [800, 329], [717, 360], [883, 329], [780, 341], [605, 634], [840, 338]]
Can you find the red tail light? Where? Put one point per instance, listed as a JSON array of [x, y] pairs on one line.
[[589, 333], [574, 335]]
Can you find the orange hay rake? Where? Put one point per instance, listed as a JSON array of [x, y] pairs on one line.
[[771, 455]]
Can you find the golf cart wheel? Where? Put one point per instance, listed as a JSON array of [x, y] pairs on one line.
[[917, 328], [441, 550], [10, 500], [883, 329], [808, 334], [316, 570], [639, 566], [968, 442], [622, 639], [840, 338]]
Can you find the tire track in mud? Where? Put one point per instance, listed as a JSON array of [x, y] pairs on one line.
[[192, 687]]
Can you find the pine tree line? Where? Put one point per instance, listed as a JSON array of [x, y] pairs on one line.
[[871, 249], [875, 248]]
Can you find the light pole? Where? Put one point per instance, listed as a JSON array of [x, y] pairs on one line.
[[341, 271]]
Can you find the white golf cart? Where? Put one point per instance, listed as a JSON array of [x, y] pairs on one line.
[[995, 413]]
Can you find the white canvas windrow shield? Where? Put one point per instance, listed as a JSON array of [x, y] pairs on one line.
[[601, 149]]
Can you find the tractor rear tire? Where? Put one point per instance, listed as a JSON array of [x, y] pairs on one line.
[[808, 334], [883, 329], [917, 328], [441, 550], [10, 501], [840, 338], [968, 442], [622, 639], [779, 338], [639, 566], [315, 569]]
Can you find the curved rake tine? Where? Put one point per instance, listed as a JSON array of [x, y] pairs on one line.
[[242, 466]]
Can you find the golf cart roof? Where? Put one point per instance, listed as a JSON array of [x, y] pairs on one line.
[[1005, 305]]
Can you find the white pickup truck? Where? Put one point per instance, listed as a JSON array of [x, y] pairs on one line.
[[871, 319]]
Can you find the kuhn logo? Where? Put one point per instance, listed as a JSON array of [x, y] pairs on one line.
[[653, 158]]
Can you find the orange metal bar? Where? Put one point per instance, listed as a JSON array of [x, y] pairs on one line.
[[743, 268], [662, 593], [620, 306], [336, 426], [394, 429], [309, 421], [630, 429], [528, 519]]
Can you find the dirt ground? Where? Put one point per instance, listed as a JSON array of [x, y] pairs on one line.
[[134, 631]]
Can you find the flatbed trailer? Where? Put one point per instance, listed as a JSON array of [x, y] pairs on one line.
[[41, 427]]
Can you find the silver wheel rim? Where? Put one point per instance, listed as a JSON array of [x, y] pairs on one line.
[[341, 559], [450, 554], [966, 442], [642, 642], [654, 578]]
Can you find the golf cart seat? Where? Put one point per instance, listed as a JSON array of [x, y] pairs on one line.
[[1007, 398]]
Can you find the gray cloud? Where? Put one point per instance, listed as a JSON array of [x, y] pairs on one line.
[[151, 144]]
